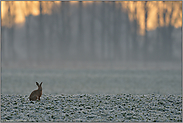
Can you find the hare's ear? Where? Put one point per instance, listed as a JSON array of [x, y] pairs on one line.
[[41, 83], [37, 84]]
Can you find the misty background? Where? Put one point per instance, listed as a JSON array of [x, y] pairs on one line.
[[88, 37]]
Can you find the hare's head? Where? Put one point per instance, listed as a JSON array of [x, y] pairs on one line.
[[39, 86]]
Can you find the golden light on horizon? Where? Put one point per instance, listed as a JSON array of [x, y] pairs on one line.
[[153, 9], [23, 9], [85, 3], [152, 16], [135, 10], [88, 2], [74, 2]]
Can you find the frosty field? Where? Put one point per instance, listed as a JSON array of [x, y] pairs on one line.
[[93, 107]]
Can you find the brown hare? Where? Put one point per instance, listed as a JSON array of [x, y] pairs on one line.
[[36, 94]]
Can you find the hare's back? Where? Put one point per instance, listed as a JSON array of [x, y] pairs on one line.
[[33, 96], [34, 93]]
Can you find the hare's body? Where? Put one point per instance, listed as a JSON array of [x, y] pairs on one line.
[[36, 94]]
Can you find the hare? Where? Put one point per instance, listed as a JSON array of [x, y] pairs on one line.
[[36, 94]]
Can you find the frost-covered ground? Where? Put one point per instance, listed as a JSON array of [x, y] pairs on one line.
[[92, 107], [92, 95]]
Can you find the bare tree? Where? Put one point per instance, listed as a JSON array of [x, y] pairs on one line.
[[28, 41], [68, 29], [134, 35], [103, 20], [80, 31], [117, 31], [93, 29], [128, 51], [146, 42], [158, 47], [40, 43], [166, 32], [11, 30]]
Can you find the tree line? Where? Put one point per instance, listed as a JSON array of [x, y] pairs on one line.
[[97, 32]]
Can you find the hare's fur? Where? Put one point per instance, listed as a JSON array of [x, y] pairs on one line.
[[36, 94]]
